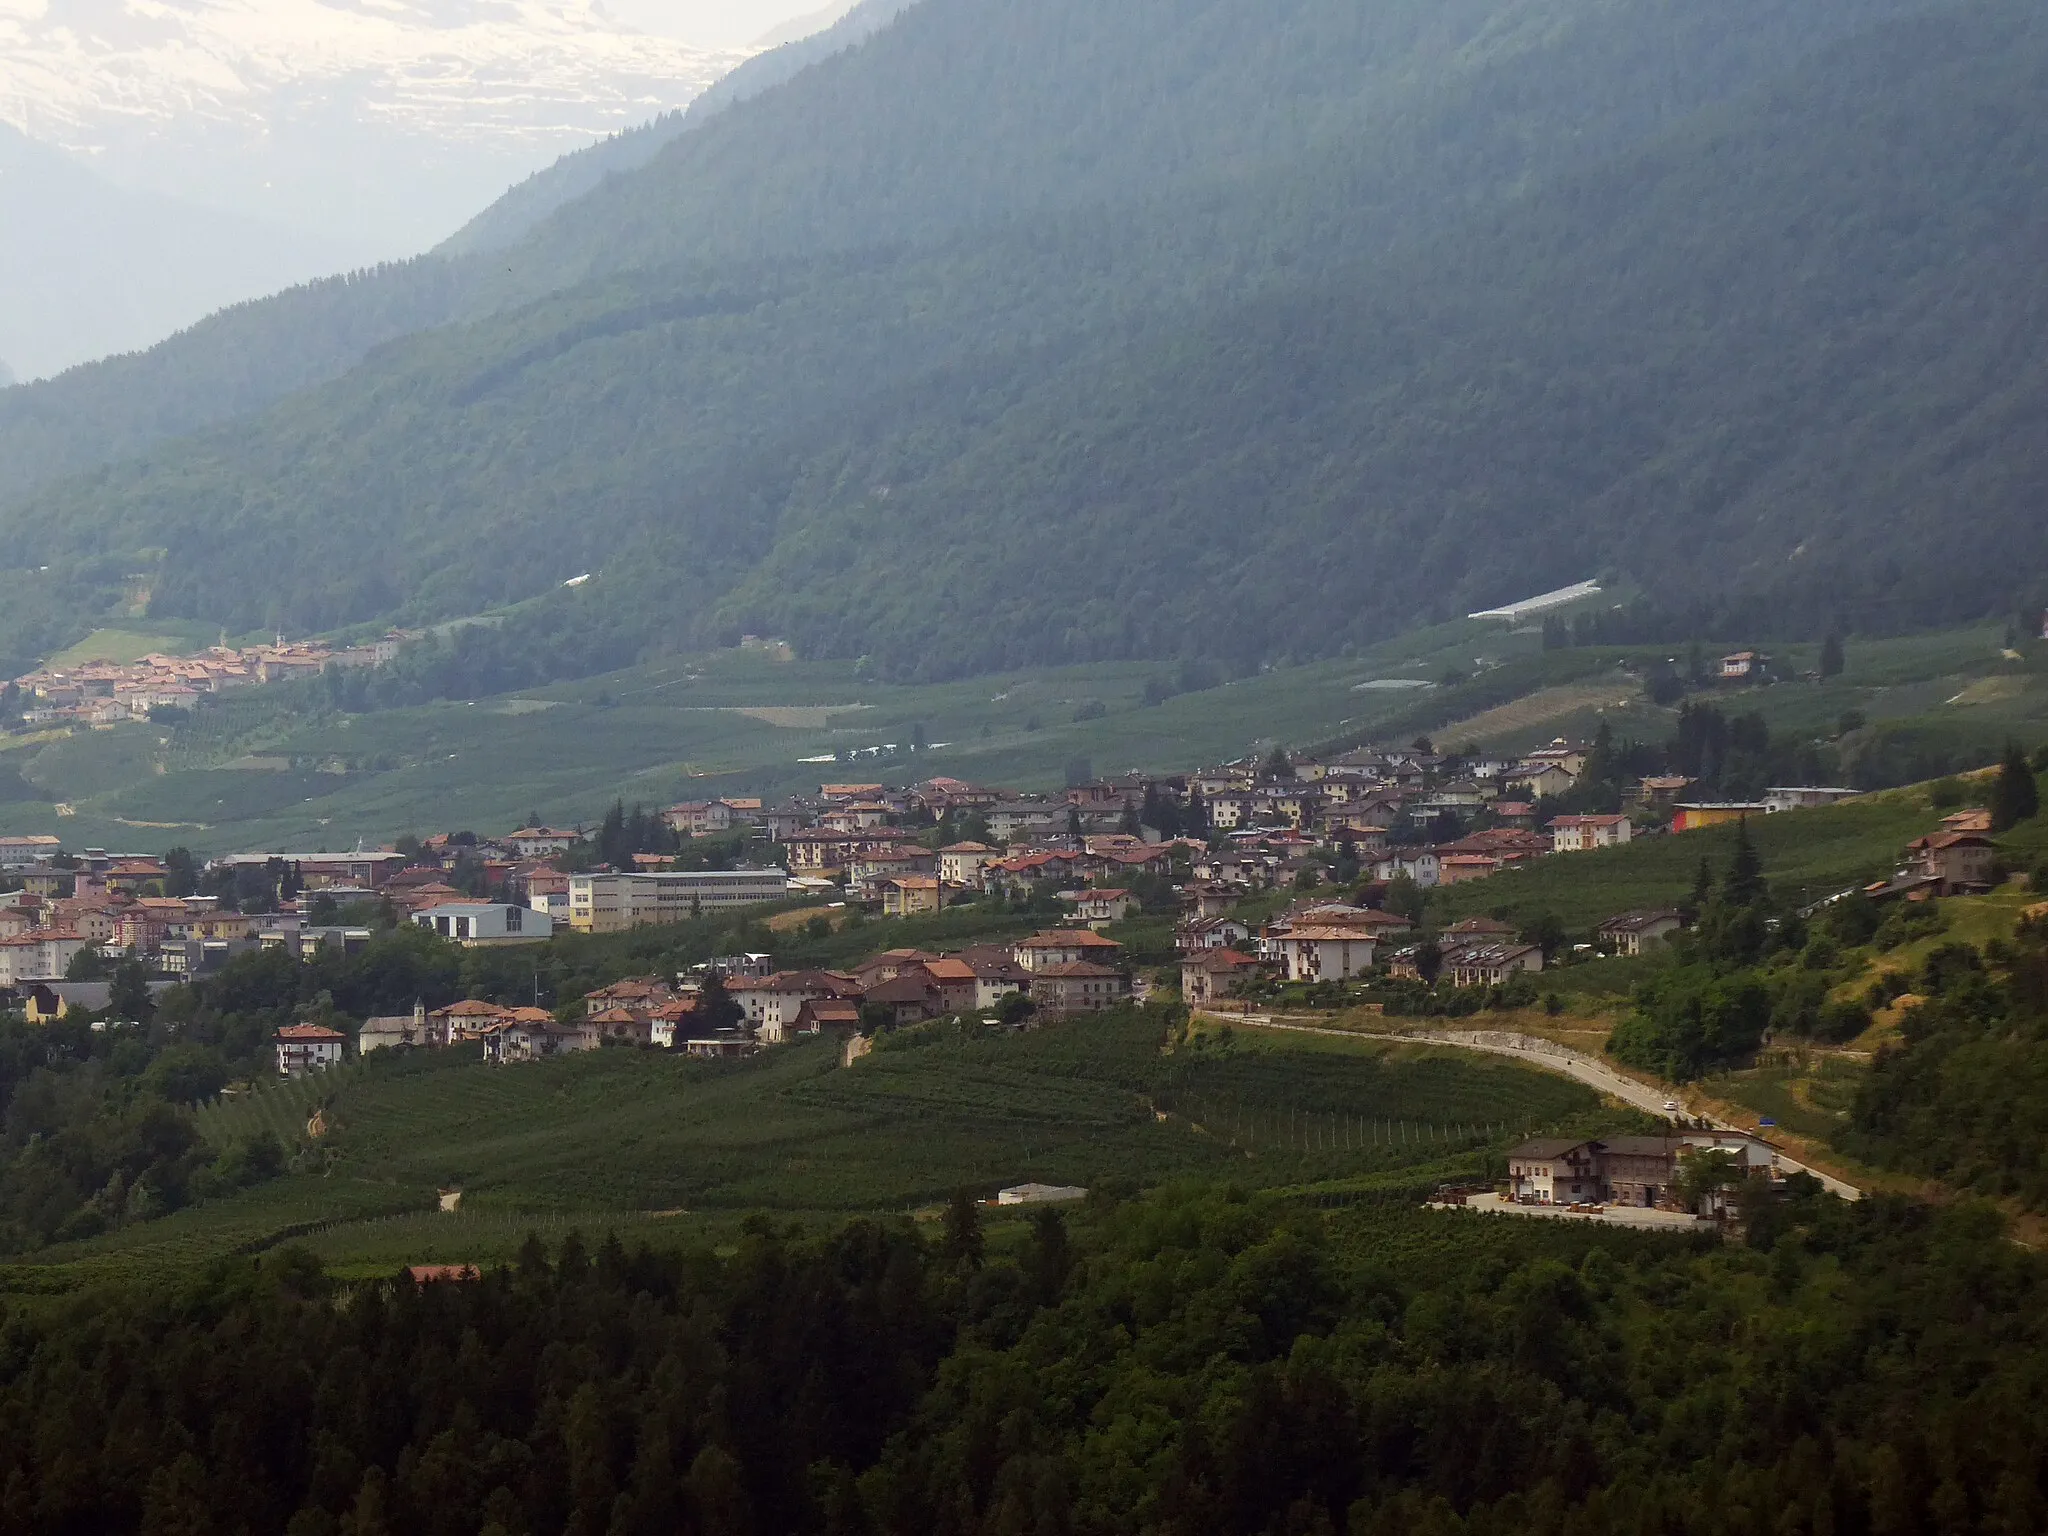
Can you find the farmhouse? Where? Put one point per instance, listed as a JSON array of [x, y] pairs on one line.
[[1199, 933], [1744, 666], [1625, 1170], [1071, 946], [958, 988], [1660, 791], [640, 993], [1079, 987], [508, 1042], [1489, 965], [1631, 931], [303, 1048], [1579, 834], [1543, 781], [622, 1024], [771, 1003], [699, 818], [1956, 861], [1209, 975], [819, 1014], [910, 997]]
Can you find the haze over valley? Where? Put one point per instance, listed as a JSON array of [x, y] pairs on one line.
[[160, 161]]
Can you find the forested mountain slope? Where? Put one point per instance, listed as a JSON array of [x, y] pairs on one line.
[[968, 115], [234, 362], [971, 111], [573, 176], [1787, 362], [255, 353], [1448, 300]]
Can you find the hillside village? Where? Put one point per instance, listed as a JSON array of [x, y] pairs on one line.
[[160, 686], [1272, 873]]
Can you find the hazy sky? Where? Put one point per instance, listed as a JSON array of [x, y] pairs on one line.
[[714, 23]]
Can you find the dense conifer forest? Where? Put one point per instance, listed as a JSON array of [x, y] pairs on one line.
[[1192, 1362]]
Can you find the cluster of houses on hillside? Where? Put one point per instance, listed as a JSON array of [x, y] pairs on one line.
[[1057, 972], [1241, 824], [117, 905], [97, 693], [1329, 941], [1060, 972], [1207, 839]]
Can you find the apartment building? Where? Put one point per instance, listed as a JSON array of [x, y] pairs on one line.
[[614, 903]]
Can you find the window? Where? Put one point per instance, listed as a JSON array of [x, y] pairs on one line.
[[514, 920]]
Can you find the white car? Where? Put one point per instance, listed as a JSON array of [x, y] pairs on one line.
[[1671, 1106]]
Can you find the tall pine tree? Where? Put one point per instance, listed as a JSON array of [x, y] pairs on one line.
[[1744, 886], [2017, 797]]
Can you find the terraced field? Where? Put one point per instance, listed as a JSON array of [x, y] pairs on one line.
[[280, 1108]]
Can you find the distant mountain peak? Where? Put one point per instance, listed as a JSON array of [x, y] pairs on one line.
[[317, 112], [798, 28]]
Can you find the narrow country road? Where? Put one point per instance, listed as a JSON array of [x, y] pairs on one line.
[[1552, 1058]]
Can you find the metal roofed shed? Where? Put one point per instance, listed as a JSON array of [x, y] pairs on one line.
[[1040, 1194]]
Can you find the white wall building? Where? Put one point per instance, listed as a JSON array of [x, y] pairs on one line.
[[478, 923], [1323, 954], [40, 955], [1582, 834], [303, 1048]]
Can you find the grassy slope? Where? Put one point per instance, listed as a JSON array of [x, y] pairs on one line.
[[631, 1139], [1806, 854], [129, 642]]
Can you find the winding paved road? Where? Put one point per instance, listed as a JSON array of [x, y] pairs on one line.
[[1552, 1058]]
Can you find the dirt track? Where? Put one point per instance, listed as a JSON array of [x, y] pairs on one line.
[[1551, 1057]]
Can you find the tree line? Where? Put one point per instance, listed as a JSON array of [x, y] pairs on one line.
[[1195, 1361]]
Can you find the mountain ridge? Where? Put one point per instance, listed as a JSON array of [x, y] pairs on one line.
[[1370, 366], [103, 415], [580, 172], [386, 120]]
